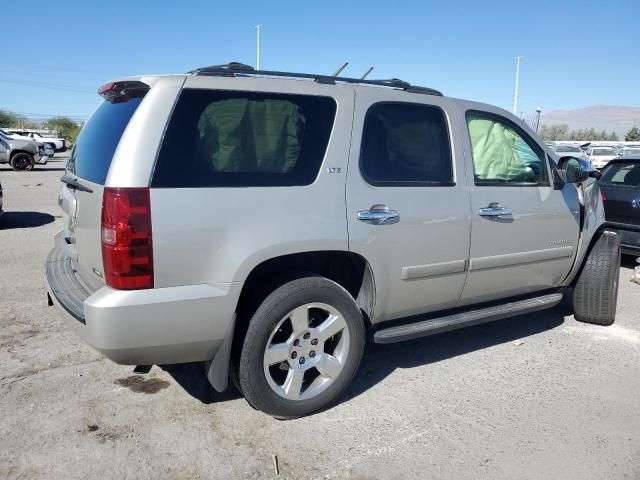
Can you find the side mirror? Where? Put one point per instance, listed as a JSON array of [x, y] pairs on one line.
[[574, 170]]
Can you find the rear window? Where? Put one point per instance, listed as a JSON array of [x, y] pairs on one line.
[[621, 174], [92, 153], [603, 151], [564, 149], [239, 139], [406, 144]]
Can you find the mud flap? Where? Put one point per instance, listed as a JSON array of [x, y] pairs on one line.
[[218, 368]]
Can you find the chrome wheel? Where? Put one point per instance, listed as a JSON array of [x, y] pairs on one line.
[[306, 352]]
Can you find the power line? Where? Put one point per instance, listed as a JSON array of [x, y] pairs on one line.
[[51, 86]]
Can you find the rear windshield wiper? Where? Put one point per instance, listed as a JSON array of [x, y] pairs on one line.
[[74, 183]]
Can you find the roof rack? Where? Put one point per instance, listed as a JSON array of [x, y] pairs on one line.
[[234, 69]]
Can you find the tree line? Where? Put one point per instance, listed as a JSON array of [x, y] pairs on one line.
[[66, 127], [562, 132]]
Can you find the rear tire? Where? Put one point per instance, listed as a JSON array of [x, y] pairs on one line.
[[22, 161], [595, 294], [310, 317]]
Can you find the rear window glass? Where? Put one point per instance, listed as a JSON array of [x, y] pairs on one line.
[[237, 139], [92, 153], [622, 174], [405, 144]]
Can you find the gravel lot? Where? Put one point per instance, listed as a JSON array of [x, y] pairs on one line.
[[538, 396]]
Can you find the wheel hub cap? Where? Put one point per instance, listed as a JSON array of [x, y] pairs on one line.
[[306, 351]]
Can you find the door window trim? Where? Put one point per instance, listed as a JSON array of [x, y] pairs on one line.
[[525, 136], [400, 183]]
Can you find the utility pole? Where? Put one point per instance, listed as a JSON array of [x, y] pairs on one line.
[[258, 46], [515, 94]]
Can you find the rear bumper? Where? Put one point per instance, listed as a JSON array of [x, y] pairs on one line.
[[144, 327], [629, 236]]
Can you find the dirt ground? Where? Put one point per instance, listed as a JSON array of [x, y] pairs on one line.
[[535, 397]]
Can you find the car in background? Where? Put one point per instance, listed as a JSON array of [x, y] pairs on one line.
[[49, 151], [620, 189], [57, 144], [599, 156], [569, 150], [630, 150], [21, 154]]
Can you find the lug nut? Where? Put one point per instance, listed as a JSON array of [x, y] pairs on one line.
[[312, 353], [296, 342], [294, 354], [301, 360], [307, 335], [314, 341]]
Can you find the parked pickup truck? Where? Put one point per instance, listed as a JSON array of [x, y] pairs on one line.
[[21, 154], [268, 223]]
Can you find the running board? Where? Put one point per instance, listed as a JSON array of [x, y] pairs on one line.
[[465, 319]]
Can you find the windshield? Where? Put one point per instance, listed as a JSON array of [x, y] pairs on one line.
[[603, 151], [567, 148]]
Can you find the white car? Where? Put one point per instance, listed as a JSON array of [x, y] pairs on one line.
[[600, 156]]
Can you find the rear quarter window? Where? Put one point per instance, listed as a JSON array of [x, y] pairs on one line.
[[93, 151], [239, 139], [621, 174]]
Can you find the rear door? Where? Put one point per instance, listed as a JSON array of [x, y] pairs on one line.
[[524, 229], [407, 201]]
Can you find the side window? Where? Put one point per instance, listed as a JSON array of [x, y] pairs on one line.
[[404, 144], [502, 153], [219, 138]]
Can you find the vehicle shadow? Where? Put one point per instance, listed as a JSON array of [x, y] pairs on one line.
[[192, 378], [380, 361], [24, 220]]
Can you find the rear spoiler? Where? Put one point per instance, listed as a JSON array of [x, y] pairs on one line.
[[122, 91]]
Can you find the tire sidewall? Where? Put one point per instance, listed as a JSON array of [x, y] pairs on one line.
[[272, 310]]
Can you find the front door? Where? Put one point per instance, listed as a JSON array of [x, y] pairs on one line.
[[407, 205], [524, 230]]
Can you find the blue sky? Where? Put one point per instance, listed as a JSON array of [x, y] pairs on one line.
[[576, 53]]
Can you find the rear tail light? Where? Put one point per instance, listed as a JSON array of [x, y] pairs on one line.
[[127, 248], [604, 197]]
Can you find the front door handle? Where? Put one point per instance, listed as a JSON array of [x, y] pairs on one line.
[[494, 210], [379, 215]]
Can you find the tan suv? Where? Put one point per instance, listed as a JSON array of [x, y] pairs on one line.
[[267, 223]]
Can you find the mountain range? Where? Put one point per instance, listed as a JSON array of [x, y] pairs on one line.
[[614, 118]]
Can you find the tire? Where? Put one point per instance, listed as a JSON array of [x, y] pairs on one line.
[[22, 161], [320, 307], [595, 294]]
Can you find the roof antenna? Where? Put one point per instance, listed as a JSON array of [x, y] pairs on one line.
[[340, 69], [364, 75]]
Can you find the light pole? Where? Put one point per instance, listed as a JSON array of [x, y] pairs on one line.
[[515, 94], [258, 46]]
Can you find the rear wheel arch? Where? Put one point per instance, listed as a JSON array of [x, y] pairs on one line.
[[347, 269]]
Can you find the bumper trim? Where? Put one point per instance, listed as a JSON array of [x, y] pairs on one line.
[[64, 285]]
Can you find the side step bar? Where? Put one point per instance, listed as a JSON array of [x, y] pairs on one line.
[[465, 319]]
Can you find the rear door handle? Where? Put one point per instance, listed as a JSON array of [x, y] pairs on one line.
[[494, 210], [379, 215]]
